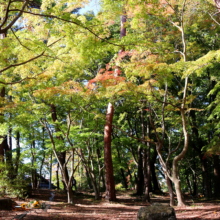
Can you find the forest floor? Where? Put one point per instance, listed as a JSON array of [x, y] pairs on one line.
[[87, 208]]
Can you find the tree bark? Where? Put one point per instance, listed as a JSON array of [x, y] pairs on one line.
[[4, 144], [61, 155], [189, 184], [170, 189], [3, 147], [216, 176], [146, 160], [122, 171], [18, 153], [153, 173], [205, 175], [140, 175], [109, 177], [88, 178], [69, 194], [57, 176], [42, 161], [34, 172]]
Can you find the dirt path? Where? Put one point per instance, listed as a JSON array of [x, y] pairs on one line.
[[126, 207]]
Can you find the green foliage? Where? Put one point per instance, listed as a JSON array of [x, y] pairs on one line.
[[12, 187]]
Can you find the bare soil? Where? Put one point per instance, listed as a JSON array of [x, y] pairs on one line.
[[85, 207]]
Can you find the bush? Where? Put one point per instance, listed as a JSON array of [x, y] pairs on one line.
[[119, 187], [15, 186]]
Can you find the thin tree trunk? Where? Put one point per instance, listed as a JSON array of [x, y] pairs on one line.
[[122, 171], [170, 190], [103, 180], [205, 175], [33, 173], [61, 155], [140, 175], [146, 162], [57, 176], [69, 194], [8, 152], [42, 161], [194, 184], [189, 184], [88, 178], [4, 144], [109, 177], [153, 173], [18, 153]]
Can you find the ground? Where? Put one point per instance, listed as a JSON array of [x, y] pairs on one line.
[[85, 207]]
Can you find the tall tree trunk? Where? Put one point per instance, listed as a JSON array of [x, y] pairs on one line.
[[103, 180], [194, 184], [88, 178], [4, 144], [205, 175], [69, 194], [109, 177], [8, 152], [42, 161], [61, 155], [140, 175], [170, 190], [153, 173], [18, 153], [146, 160], [3, 147], [57, 176], [34, 172], [216, 176], [189, 184], [122, 171]]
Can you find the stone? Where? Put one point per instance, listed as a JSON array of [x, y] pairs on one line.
[[157, 211], [5, 204]]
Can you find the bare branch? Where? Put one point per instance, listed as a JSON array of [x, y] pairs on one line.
[[30, 60], [6, 14], [20, 41], [214, 19], [72, 22], [4, 30]]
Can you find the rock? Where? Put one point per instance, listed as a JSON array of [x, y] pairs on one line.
[[5, 204], [157, 211]]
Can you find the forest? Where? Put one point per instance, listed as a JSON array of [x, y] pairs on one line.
[[123, 99]]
